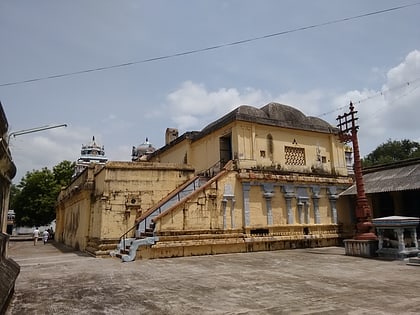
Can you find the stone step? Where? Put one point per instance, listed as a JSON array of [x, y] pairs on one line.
[[414, 261]]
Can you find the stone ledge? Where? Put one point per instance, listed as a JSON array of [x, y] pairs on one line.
[[244, 244]]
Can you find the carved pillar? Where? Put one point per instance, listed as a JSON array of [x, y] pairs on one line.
[[228, 195], [224, 203], [268, 189], [300, 211], [245, 192], [289, 193], [306, 211], [232, 213], [332, 192], [315, 200]]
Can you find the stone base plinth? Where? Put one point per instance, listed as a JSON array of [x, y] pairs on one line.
[[361, 248], [395, 253]]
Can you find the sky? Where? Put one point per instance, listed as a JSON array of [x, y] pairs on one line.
[[96, 66]]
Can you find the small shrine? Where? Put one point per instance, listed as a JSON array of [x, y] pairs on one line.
[[397, 236], [90, 153], [141, 152]]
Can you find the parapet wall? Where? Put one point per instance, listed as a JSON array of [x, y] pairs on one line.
[[9, 271]]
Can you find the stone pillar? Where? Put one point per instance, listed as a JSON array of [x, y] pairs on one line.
[[245, 192], [224, 203], [268, 194], [228, 195], [300, 211], [315, 200], [414, 238], [289, 193], [306, 211], [232, 213], [380, 238], [332, 191], [400, 234]]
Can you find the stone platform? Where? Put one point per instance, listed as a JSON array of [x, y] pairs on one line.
[[298, 281]]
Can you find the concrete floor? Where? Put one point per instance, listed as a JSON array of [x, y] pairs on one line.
[[57, 280]]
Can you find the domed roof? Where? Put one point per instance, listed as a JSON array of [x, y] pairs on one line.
[[142, 150], [274, 114], [282, 112]]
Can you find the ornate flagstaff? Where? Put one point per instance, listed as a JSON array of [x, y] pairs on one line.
[[348, 132]]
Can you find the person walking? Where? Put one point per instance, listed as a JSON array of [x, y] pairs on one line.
[[35, 235], [45, 236]]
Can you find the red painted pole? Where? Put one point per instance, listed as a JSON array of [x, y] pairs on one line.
[[363, 211]]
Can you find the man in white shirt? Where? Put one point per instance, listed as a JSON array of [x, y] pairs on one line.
[[45, 236], [36, 235]]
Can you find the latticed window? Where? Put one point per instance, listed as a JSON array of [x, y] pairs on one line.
[[294, 156]]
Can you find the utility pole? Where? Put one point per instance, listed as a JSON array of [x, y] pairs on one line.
[[348, 133]]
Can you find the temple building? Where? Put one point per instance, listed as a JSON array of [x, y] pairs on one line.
[[90, 153], [256, 179], [141, 152]]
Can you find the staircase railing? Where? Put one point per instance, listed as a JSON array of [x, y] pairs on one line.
[[159, 207], [146, 219], [203, 187], [175, 197]]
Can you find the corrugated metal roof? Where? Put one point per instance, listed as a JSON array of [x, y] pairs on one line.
[[386, 180]]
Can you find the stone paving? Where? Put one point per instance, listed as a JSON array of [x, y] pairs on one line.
[[57, 280]]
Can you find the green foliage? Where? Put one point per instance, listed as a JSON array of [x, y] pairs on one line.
[[34, 198], [392, 151], [63, 172]]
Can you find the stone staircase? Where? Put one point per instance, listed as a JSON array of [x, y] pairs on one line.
[[144, 233]]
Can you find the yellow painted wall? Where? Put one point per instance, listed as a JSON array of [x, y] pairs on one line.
[[174, 154], [250, 147], [253, 144], [206, 213], [104, 209], [75, 226]]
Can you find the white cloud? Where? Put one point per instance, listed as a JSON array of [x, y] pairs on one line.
[[311, 103], [192, 106], [391, 113]]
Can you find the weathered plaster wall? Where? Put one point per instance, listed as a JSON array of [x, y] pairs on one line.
[[207, 211], [103, 203]]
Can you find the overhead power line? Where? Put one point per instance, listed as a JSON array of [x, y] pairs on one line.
[[377, 94], [190, 52]]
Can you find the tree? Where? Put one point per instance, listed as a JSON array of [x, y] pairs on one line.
[[392, 151], [34, 198], [63, 172]]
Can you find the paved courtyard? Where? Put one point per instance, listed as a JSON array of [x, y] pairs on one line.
[[57, 280]]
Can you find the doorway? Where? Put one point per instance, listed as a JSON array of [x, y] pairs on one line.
[[225, 144]]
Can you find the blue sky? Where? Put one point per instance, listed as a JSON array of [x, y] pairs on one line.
[[373, 61]]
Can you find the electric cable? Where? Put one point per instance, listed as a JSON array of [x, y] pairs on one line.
[[190, 52]]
